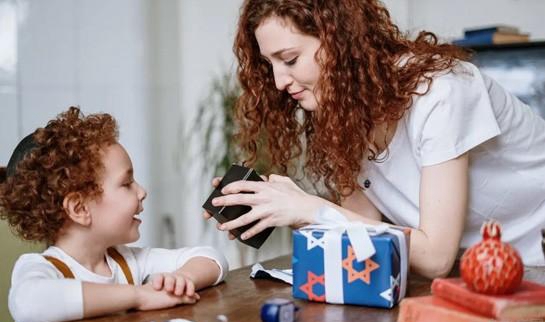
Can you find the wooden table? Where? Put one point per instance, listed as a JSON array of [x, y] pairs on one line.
[[240, 299]]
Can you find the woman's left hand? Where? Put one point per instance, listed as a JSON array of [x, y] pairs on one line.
[[277, 202]]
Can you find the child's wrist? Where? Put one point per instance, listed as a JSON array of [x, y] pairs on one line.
[[137, 296]]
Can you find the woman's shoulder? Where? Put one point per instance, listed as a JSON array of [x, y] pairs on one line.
[[457, 86]]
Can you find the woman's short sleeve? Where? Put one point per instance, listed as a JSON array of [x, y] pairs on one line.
[[453, 117]]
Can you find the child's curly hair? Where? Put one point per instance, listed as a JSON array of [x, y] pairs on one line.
[[66, 158]]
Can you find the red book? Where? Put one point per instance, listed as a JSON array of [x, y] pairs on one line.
[[435, 309], [526, 303]]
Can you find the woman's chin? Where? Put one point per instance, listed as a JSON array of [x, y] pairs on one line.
[[308, 106]]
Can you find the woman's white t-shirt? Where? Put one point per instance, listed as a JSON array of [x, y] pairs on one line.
[[466, 111], [39, 292]]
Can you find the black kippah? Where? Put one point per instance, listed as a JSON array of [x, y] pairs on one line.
[[22, 149]]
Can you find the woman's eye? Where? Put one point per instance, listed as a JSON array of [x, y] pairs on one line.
[[291, 62]]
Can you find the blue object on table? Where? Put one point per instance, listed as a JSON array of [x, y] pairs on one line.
[[278, 310], [326, 267]]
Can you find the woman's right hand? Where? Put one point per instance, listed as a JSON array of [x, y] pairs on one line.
[[276, 201], [148, 298], [215, 182]]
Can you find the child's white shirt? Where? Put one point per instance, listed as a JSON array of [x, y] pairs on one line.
[[39, 292]]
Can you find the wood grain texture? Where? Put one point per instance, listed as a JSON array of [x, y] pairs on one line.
[[240, 298]]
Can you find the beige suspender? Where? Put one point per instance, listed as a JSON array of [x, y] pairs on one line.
[[114, 254], [61, 266], [122, 263]]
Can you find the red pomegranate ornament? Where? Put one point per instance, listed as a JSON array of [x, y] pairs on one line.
[[491, 266]]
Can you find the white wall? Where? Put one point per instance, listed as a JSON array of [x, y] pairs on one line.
[[449, 18], [9, 120], [399, 11], [207, 31], [89, 53], [206, 40]]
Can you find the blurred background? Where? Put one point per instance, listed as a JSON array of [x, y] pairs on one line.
[[164, 70]]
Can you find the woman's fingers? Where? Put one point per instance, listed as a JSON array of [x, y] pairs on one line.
[[206, 215], [243, 220], [248, 199], [216, 181], [243, 186], [256, 229]]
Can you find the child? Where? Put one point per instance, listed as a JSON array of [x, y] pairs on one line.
[[71, 185]]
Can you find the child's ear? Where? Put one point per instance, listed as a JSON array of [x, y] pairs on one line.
[[76, 208]]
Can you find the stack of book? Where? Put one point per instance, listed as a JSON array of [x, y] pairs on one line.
[[452, 301], [500, 34]]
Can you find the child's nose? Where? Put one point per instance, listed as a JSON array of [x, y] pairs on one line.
[[142, 193]]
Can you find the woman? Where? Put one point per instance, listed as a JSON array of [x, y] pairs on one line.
[[407, 129]]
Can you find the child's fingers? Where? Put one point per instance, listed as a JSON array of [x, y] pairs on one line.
[[231, 236], [189, 299], [206, 215], [189, 288], [157, 282], [181, 284], [169, 283]]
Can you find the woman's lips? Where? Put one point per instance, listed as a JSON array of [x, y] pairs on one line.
[[297, 95]]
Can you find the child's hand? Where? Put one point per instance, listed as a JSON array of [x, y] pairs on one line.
[[149, 298], [174, 283]]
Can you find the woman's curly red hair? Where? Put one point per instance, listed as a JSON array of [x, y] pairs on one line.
[[362, 84], [66, 159]]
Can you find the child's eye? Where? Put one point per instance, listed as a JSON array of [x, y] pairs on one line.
[[127, 184], [291, 62]]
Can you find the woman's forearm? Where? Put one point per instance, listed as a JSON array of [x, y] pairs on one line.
[[426, 256]]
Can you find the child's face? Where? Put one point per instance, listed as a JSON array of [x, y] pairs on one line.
[[114, 214]]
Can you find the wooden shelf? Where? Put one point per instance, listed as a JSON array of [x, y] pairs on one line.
[[499, 47]]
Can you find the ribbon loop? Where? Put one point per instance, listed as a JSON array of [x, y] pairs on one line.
[[334, 225]]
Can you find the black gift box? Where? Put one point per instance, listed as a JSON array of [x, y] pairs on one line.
[[225, 214]]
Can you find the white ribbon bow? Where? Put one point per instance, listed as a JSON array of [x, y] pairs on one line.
[[335, 224]]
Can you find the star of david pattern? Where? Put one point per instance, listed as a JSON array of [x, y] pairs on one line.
[[353, 274], [388, 294], [312, 241], [360, 285], [313, 279]]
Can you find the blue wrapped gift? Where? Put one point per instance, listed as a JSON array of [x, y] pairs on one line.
[[342, 262]]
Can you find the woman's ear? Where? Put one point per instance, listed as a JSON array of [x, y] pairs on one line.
[[75, 206]]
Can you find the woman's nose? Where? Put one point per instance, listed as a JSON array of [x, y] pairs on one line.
[[281, 79]]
